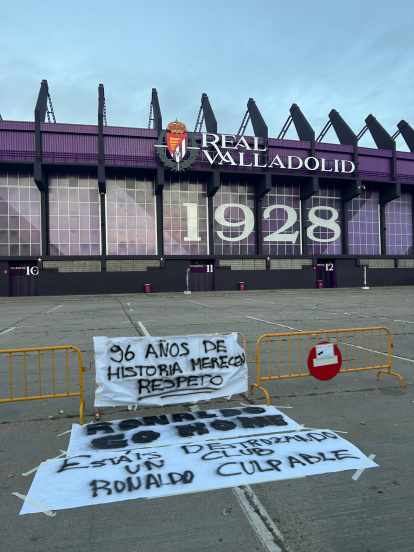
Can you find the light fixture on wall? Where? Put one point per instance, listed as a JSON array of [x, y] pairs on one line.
[[268, 262]]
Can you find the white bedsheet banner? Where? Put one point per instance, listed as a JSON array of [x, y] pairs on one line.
[[171, 370], [112, 477], [168, 429]]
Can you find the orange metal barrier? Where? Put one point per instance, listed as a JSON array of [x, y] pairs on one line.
[[284, 355], [26, 377]]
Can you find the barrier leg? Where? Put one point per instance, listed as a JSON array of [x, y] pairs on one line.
[[262, 389], [82, 406], [392, 374]]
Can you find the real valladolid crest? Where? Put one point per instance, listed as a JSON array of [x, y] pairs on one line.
[[178, 150]]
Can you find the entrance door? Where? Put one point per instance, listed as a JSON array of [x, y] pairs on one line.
[[23, 279], [326, 273], [202, 276]]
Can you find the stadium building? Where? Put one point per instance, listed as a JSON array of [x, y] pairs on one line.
[[100, 209]]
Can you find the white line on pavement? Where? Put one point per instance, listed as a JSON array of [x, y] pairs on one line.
[[202, 304], [267, 302], [143, 328], [401, 358], [9, 330], [273, 323], [379, 352], [51, 310], [257, 516]]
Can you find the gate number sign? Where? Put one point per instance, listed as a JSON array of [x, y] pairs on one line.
[[324, 361]]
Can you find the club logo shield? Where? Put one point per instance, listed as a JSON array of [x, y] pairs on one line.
[[175, 140]]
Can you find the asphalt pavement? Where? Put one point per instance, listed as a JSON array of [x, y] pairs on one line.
[[321, 513]]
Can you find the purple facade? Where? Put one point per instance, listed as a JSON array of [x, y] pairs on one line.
[[20, 215], [281, 221], [399, 225], [74, 216], [17, 141], [234, 224], [364, 224], [130, 216], [323, 233], [74, 207], [135, 147], [185, 218]]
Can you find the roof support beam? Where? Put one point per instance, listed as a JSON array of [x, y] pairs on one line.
[[159, 181], [40, 117], [209, 117], [39, 177], [156, 110], [41, 104], [285, 128], [381, 137], [213, 183], [351, 189], [345, 135], [383, 140], [160, 174], [303, 128], [264, 185], [258, 123], [101, 108], [101, 147], [389, 192], [309, 187], [407, 133], [101, 178]]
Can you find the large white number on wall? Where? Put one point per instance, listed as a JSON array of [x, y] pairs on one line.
[[247, 223], [192, 222], [329, 223], [279, 235]]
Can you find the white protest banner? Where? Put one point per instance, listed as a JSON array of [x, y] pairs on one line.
[[89, 479], [170, 370], [168, 429]]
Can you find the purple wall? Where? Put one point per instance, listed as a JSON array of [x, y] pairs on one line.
[[17, 141], [69, 148], [65, 143]]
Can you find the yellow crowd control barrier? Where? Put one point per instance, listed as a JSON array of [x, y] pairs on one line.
[[284, 355], [42, 373]]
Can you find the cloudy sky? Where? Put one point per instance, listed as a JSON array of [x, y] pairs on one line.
[[355, 56]]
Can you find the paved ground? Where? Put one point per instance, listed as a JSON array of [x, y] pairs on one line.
[[320, 513]]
